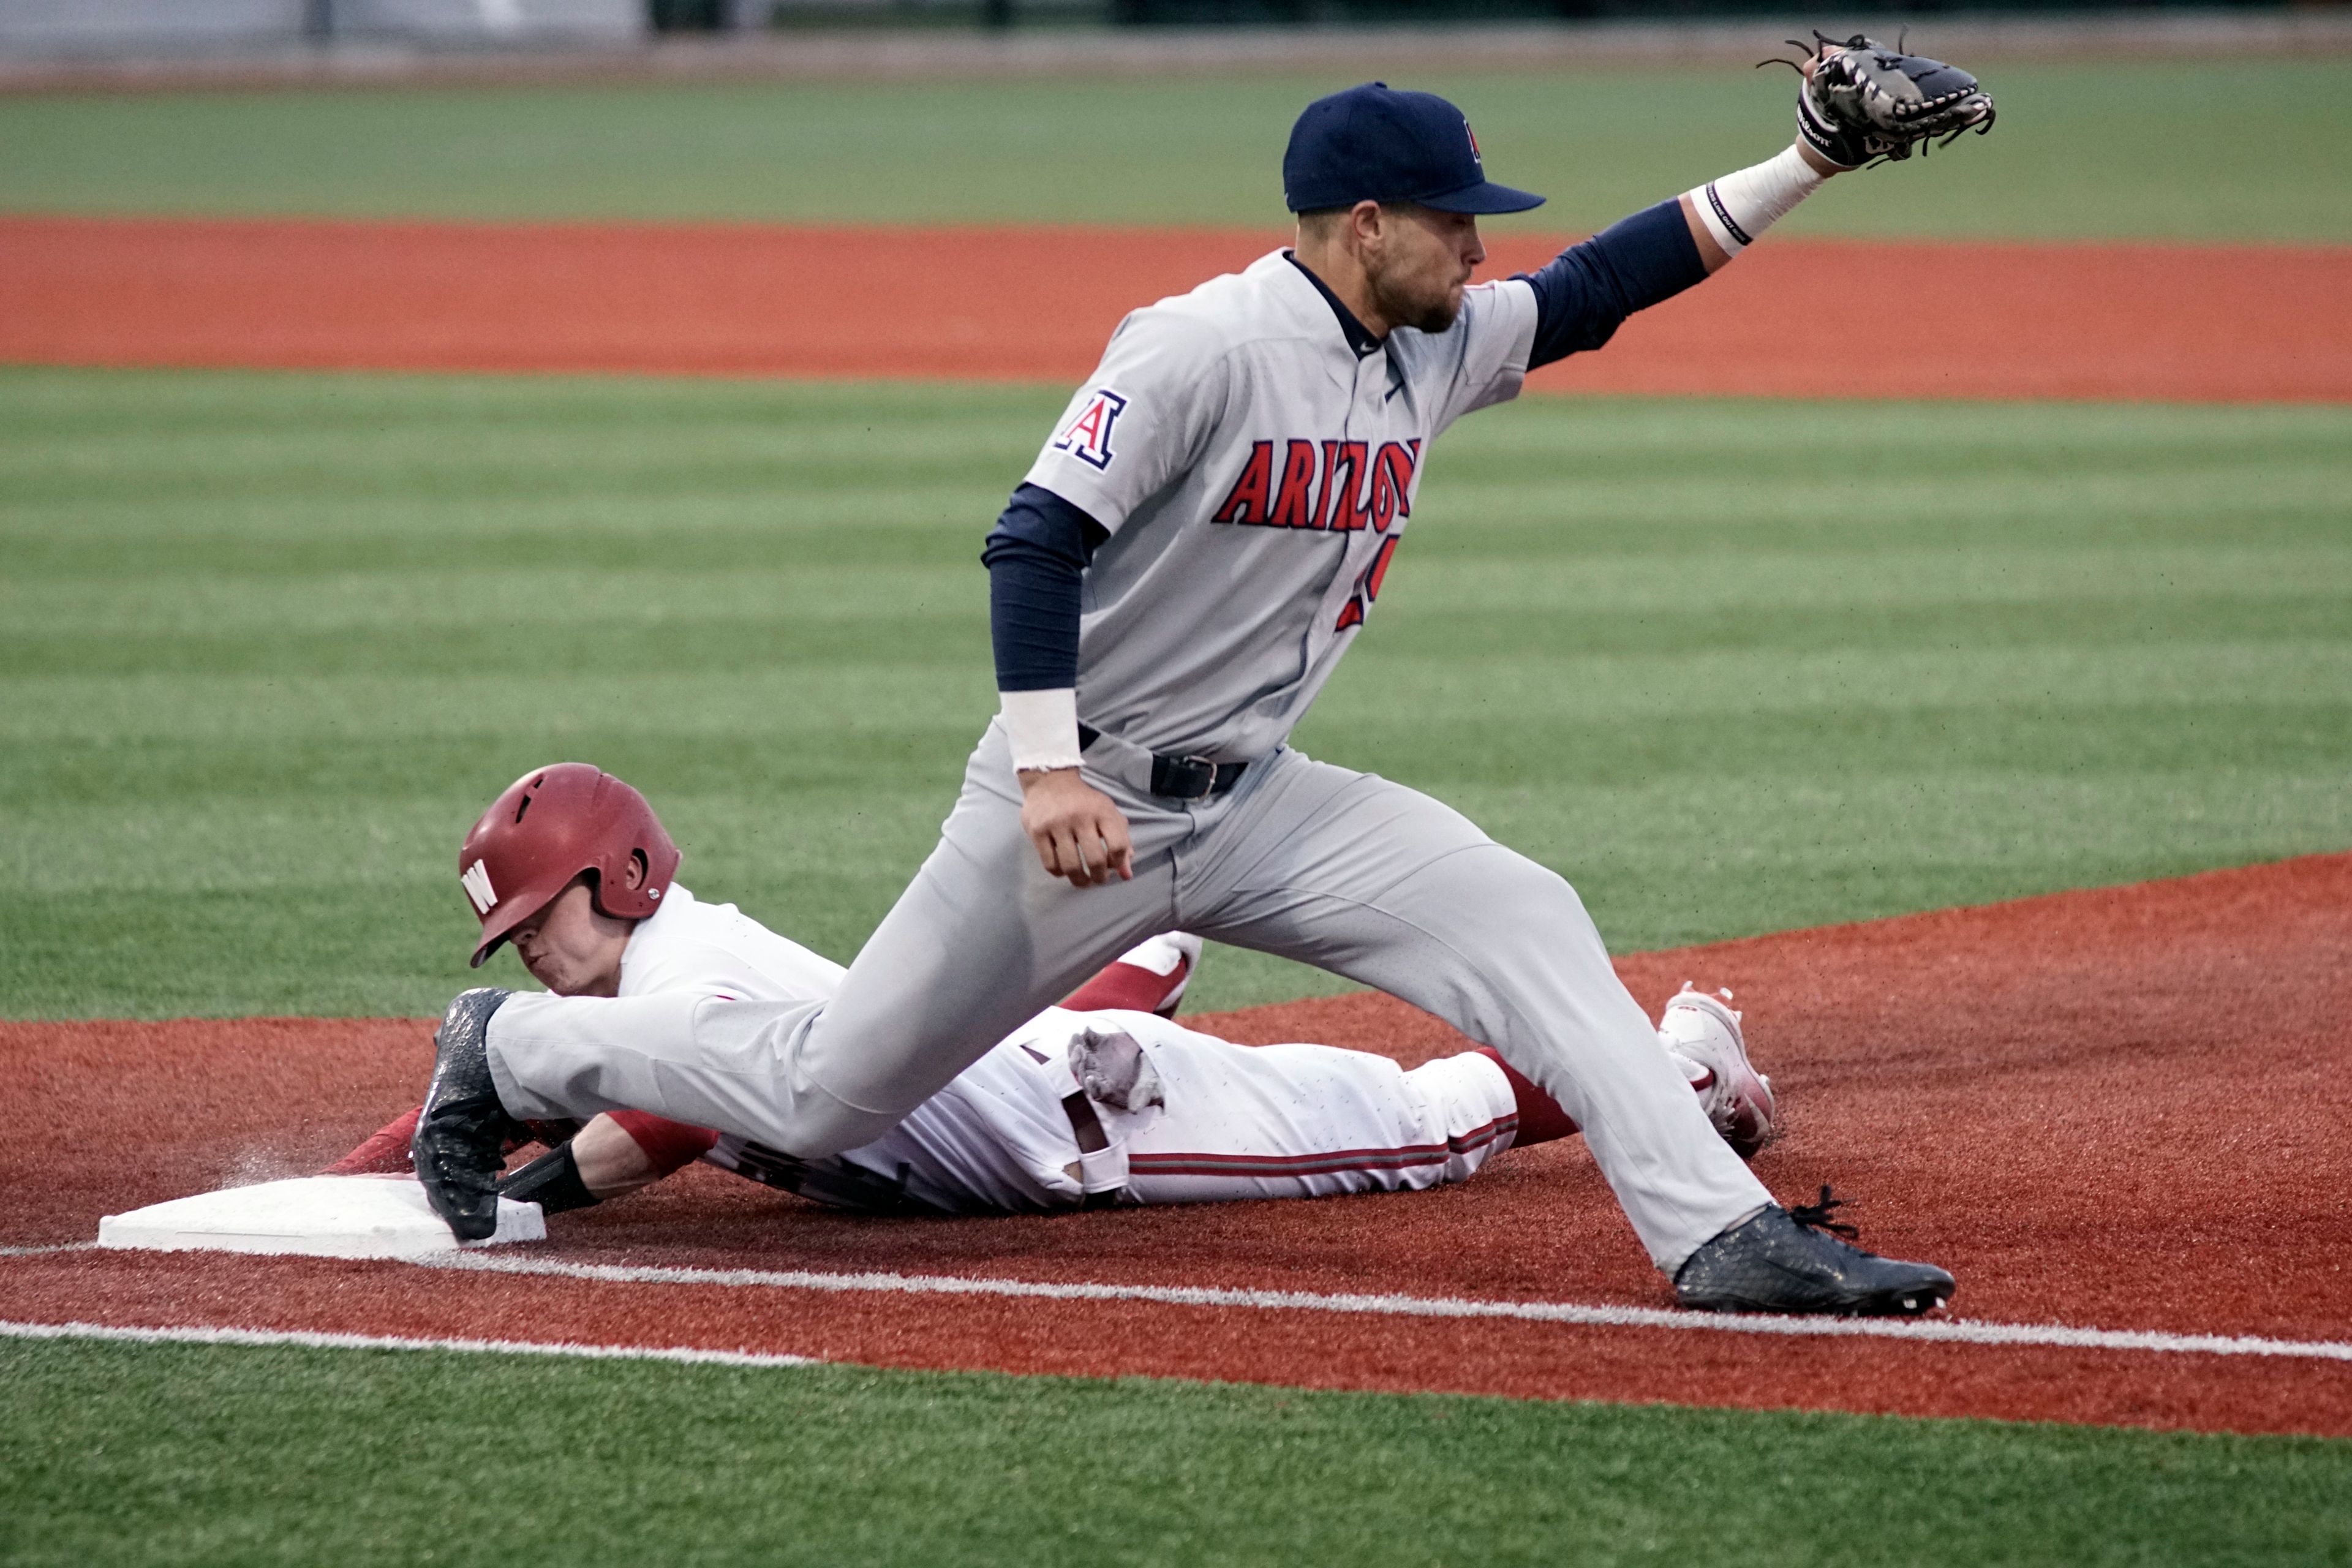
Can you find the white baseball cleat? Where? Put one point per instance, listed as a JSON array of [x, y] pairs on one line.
[[1703, 1033]]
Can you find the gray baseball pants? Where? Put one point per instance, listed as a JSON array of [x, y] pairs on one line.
[[1344, 870]]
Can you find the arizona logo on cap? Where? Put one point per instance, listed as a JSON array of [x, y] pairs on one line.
[[1375, 143]]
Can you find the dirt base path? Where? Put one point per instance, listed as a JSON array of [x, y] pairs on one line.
[[2121, 1108], [1002, 304]]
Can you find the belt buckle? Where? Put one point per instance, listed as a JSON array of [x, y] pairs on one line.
[[1189, 768]]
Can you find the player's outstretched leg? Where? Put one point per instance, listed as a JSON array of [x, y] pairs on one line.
[[1540, 1119], [1236, 1121], [1777, 1263], [1379, 883], [461, 1137], [1375, 882], [1701, 1036]]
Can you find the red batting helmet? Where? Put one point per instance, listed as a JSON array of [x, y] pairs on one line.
[[552, 825]]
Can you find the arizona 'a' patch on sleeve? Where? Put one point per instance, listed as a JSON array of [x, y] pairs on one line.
[[1141, 421], [1089, 433]]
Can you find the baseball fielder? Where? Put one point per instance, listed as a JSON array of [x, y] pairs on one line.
[[1103, 1101], [1200, 539]]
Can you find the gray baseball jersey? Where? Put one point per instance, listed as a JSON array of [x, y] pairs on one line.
[[1255, 475]]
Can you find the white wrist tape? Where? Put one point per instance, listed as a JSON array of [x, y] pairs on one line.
[[1043, 727], [1740, 207]]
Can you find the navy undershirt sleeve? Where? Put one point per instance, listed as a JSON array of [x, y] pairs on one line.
[[1036, 556], [1585, 292]]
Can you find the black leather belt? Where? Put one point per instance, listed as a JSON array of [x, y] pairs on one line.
[[1182, 778], [1092, 1140], [841, 1185]]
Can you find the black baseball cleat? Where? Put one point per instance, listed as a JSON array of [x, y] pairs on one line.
[[461, 1139], [1778, 1262]]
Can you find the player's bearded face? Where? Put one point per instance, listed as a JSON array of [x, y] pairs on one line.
[[1424, 261]]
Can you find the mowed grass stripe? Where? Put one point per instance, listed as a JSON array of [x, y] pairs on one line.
[[267, 643], [2225, 151], [199, 1455]]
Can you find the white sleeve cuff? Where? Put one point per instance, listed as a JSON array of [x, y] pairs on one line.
[[1043, 727], [1738, 207]]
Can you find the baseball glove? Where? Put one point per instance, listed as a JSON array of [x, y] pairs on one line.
[[1864, 103]]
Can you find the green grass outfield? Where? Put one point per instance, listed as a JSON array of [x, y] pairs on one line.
[[269, 643], [189, 1456], [2230, 150]]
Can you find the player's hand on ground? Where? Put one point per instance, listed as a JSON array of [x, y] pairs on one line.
[[1078, 833]]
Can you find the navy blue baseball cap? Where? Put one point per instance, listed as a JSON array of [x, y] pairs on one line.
[[1375, 144]]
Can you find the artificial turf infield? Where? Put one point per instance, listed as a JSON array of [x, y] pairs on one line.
[[2078, 1135], [175, 1453]]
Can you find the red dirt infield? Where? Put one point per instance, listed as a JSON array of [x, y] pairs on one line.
[[2119, 1109], [2081, 321]]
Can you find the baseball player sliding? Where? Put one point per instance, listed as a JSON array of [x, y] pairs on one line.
[[1103, 1101], [1201, 539]]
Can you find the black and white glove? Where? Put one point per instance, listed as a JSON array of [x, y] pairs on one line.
[[1863, 102]]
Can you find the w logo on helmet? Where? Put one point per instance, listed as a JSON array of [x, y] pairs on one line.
[[476, 878]]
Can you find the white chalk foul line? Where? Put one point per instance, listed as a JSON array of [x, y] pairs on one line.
[[311, 1340], [1932, 1330], [1945, 1330]]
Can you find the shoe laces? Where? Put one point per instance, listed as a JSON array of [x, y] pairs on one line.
[[1721, 997], [1820, 1215]]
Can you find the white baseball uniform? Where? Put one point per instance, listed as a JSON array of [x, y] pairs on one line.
[[1255, 473], [1234, 1121]]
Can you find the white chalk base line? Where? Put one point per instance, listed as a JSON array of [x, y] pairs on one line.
[[308, 1340], [1932, 1330]]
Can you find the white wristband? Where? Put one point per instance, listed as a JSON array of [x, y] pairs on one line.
[[1043, 727], [1741, 206]]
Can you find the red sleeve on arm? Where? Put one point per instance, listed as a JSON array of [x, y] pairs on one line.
[[669, 1145], [384, 1154]]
